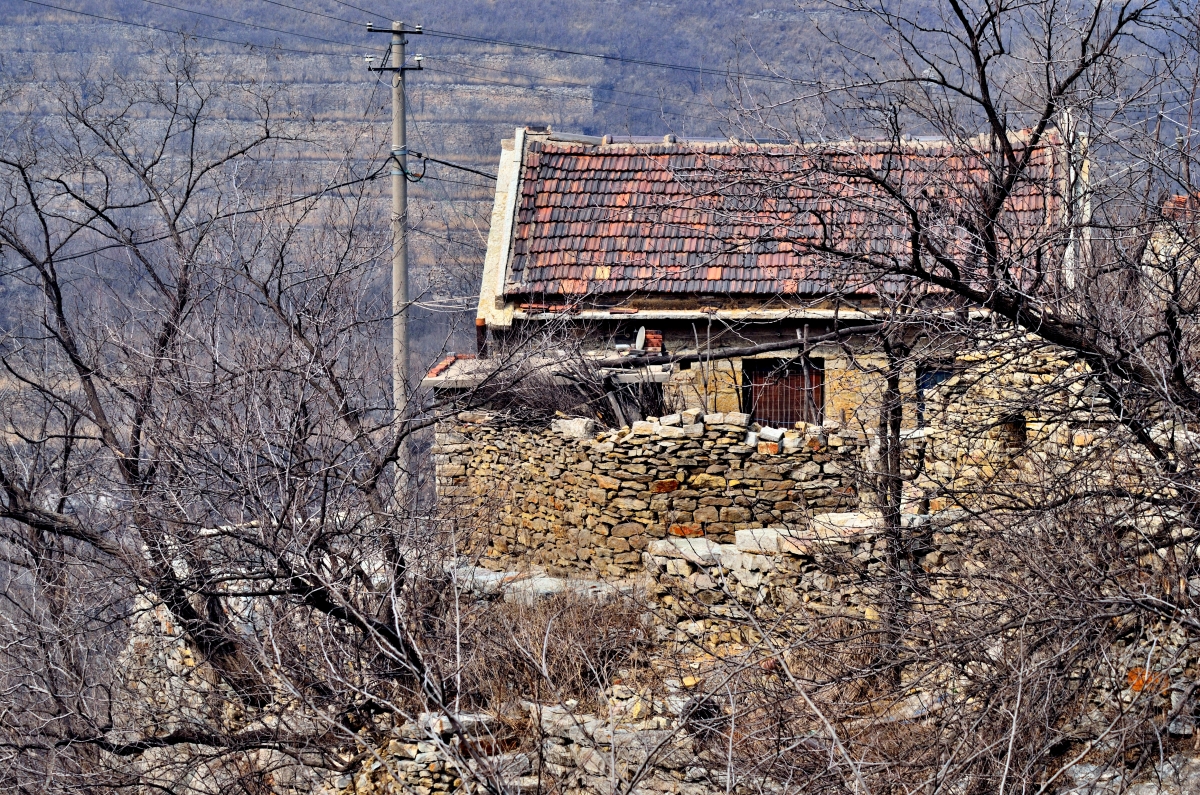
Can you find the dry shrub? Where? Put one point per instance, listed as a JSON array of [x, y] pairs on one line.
[[563, 380], [560, 648], [531, 395]]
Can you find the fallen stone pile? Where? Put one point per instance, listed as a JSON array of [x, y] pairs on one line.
[[428, 756], [639, 741]]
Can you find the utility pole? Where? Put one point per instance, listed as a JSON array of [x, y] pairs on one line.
[[399, 161]]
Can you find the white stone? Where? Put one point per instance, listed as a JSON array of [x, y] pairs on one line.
[[530, 590], [481, 581], [524, 785], [796, 545], [677, 704], [592, 761], [748, 578], [679, 568], [622, 692], [760, 540], [512, 765], [593, 589], [770, 434], [574, 428], [694, 431], [736, 418], [731, 559], [695, 550], [471, 723], [663, 548], [643, 428], [716, 418], [843, 525], [671, 419], [476, 417], [671, 432]]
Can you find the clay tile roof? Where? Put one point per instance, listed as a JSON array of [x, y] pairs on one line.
[[725, 218], [445, 364], [1182, 207]]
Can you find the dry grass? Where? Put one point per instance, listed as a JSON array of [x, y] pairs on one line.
[[553, 650]]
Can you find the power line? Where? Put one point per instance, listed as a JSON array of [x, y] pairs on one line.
[[637, 61], [445, 34], [446, 193], [447, 238], [452, 165], [314, 13], [165, 30], [463, 37], [360, 8], [249, 24], [456, 182], [371, 99], [492, 68]]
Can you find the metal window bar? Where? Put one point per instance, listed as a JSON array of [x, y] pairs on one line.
[[784, 392]]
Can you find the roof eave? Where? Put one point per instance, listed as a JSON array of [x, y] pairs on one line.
[[493, 309]]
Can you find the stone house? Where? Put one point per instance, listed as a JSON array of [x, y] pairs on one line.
[[641, 246], [730, 527]]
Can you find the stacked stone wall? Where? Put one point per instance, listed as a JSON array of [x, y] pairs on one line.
[[568, 499]]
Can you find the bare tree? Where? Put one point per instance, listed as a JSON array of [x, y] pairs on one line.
[[207, 578], [1030, 228], [209, 583]]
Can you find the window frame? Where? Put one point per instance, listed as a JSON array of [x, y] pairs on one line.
[[810, 372]]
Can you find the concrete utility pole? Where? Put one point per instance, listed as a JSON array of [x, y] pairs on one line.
[[399, 160]]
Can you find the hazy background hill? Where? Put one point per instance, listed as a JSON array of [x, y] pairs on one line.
[[472, 93]]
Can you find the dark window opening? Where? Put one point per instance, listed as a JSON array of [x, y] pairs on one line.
[[1014, 430], [782, 392], [929, 376]]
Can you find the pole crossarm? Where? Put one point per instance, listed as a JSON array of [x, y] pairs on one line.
[[398, 27]]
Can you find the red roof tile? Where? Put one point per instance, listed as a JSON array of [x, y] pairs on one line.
[[730, 219], [444, 364]]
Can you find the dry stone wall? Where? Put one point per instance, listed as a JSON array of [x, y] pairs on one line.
[[833, 565], [571, 500]]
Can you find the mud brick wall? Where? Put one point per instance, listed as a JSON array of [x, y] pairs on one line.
[[573, 500]]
